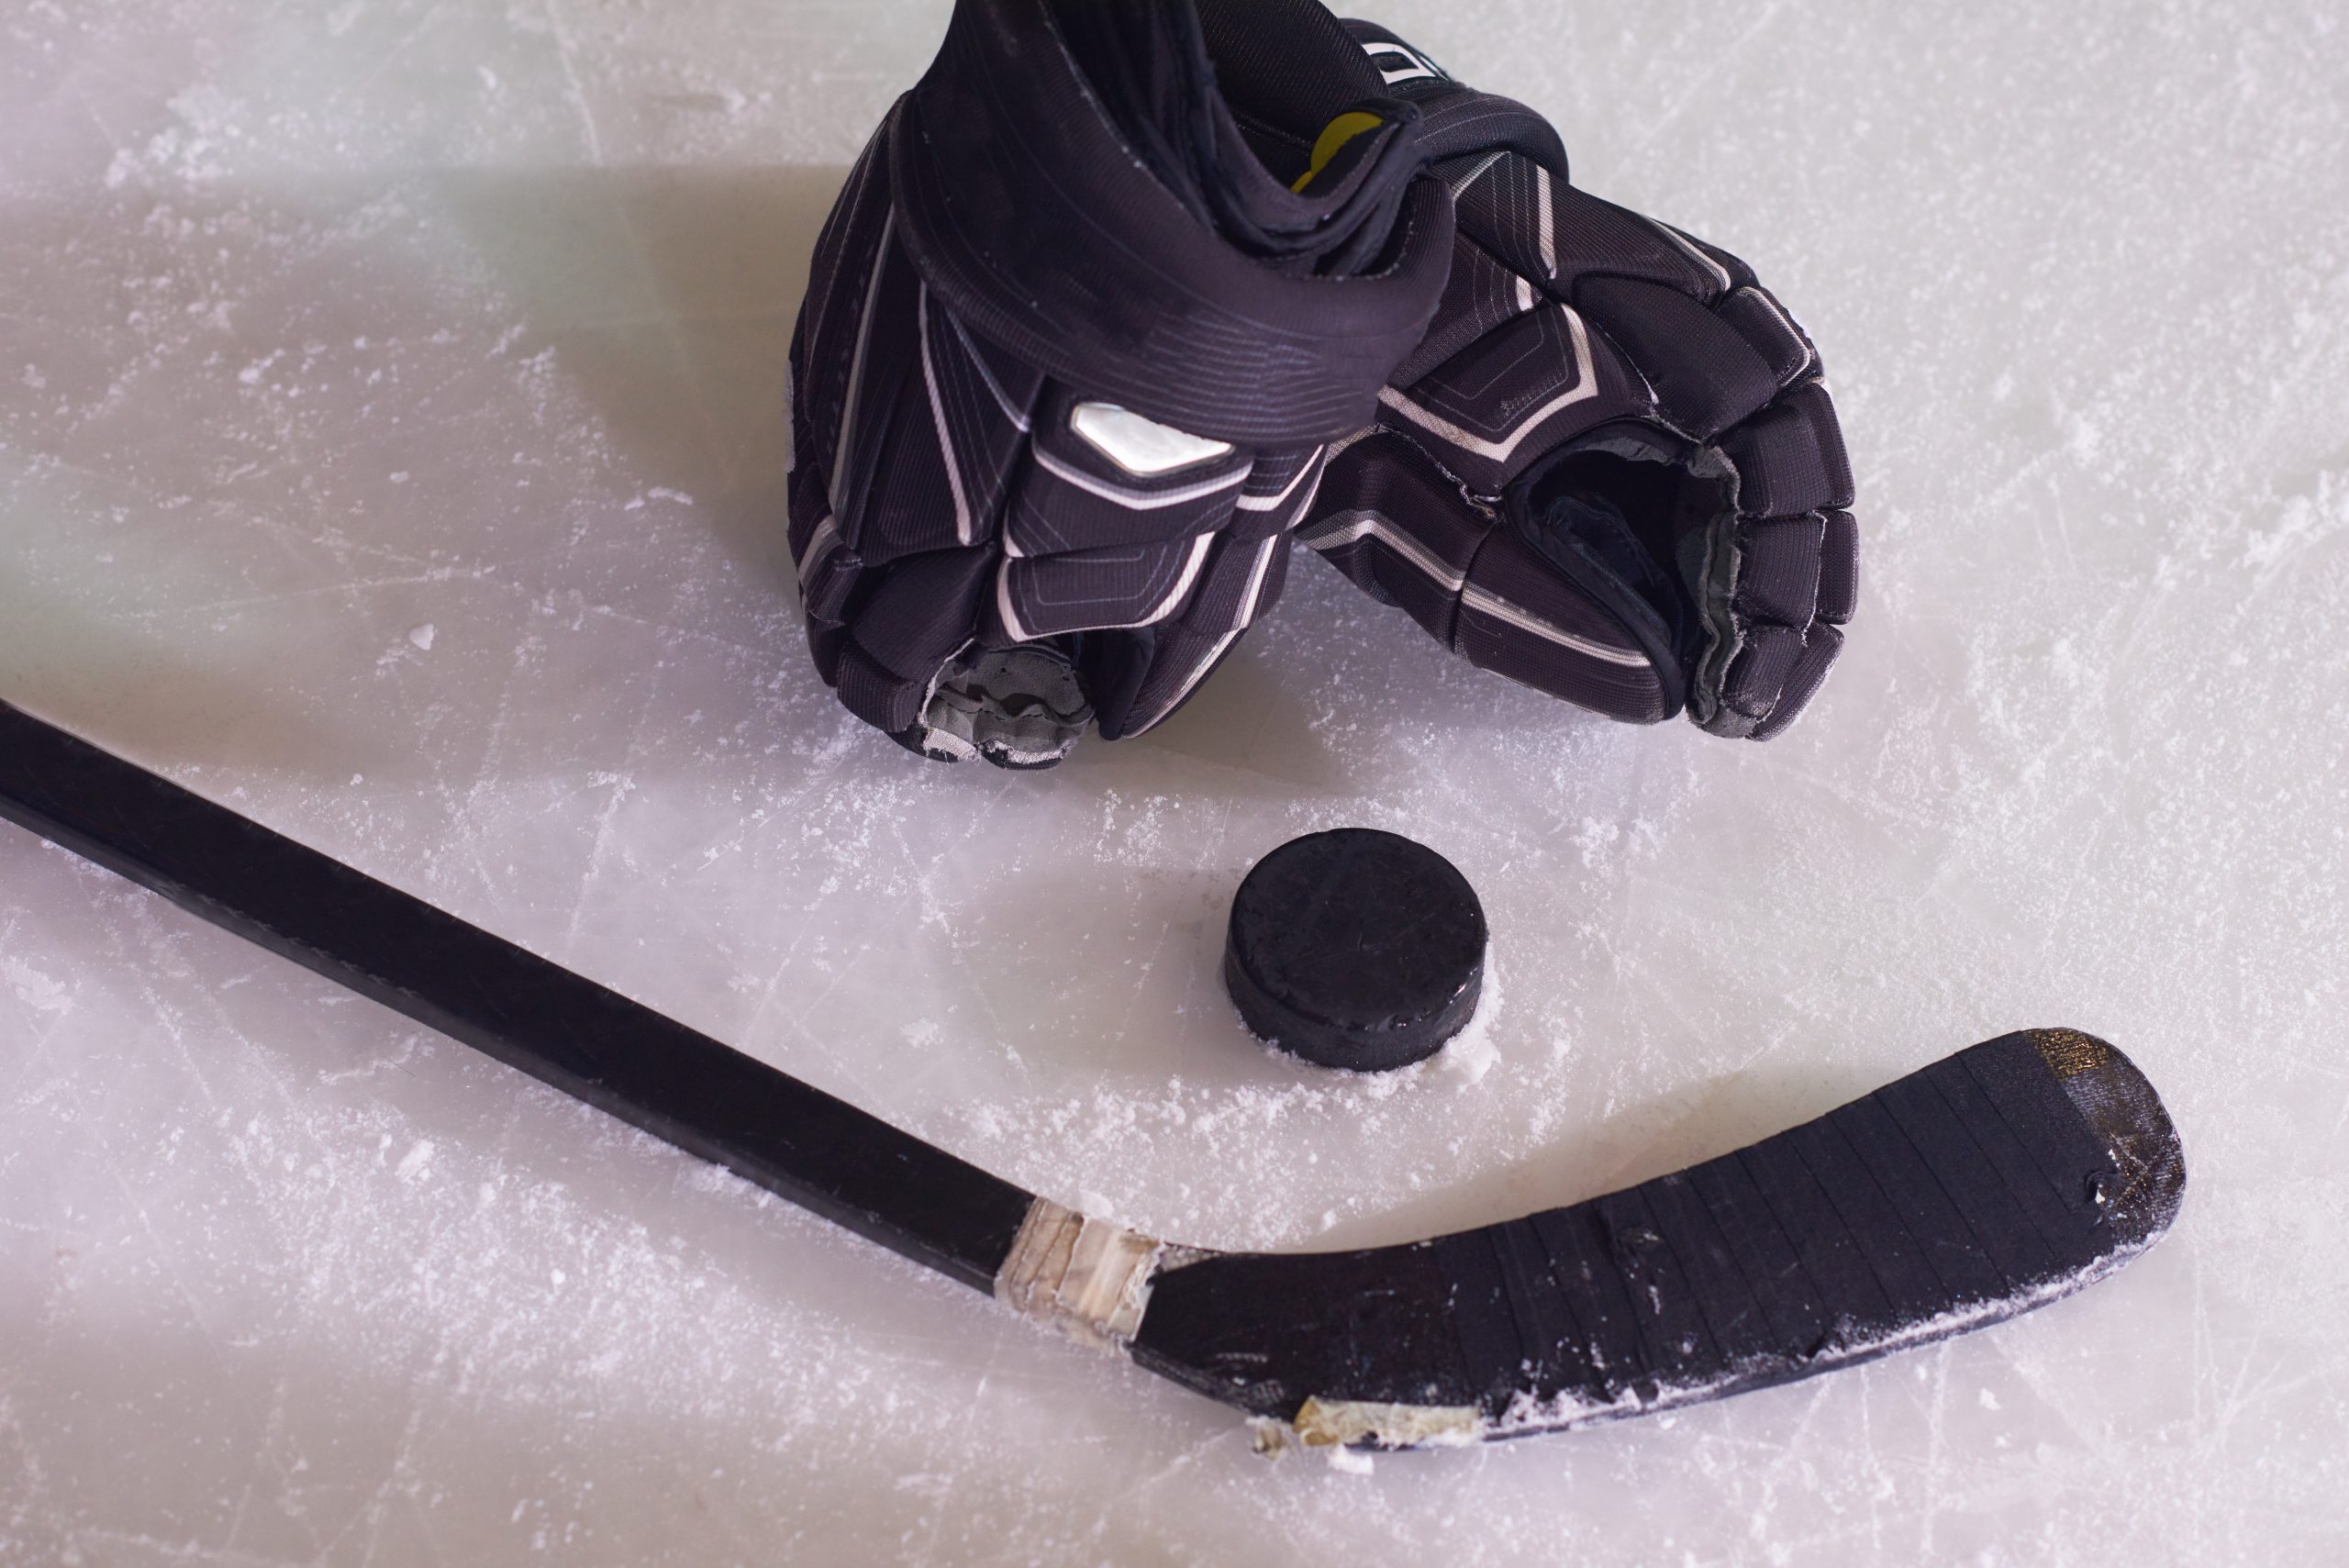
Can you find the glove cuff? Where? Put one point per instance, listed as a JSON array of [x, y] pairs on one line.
[[1025, 208]]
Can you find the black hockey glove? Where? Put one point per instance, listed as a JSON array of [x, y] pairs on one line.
[[1611, 470], [1076, 334]]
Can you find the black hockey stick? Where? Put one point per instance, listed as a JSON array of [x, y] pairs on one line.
[[1992, 1181]]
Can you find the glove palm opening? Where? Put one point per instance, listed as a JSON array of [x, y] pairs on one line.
[[1631, 516]]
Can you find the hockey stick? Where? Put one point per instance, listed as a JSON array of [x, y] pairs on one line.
[[1994, 1180]]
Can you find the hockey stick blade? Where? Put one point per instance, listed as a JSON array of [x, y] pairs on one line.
[[1990, 1182]]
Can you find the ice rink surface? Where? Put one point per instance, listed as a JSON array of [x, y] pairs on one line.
[[391, 445]]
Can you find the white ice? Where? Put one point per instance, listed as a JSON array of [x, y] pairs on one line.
[[390, 412]]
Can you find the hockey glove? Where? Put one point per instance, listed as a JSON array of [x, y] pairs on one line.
[[1091, 305], [1611, 470]]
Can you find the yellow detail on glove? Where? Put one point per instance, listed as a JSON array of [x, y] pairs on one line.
[[1335, 135]]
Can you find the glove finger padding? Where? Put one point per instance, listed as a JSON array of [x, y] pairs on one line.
[[1073, 350], [1611, 468]]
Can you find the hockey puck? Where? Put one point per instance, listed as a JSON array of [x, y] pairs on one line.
[[1355, 949]]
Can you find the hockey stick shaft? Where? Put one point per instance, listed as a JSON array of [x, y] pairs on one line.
[[584, 1039]]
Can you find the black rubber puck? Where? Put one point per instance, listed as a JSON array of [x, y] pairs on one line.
[[1355, 949]]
